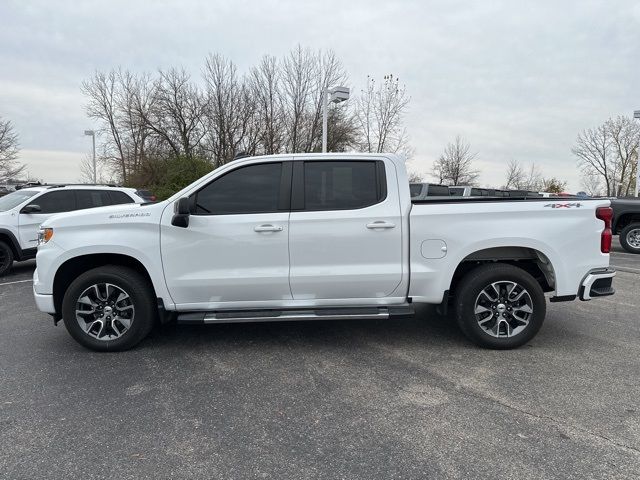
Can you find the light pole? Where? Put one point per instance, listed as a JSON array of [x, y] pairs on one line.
[[331, 95], [92, 134], [636, 114]]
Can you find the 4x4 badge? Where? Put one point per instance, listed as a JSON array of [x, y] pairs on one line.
[[564, 205]]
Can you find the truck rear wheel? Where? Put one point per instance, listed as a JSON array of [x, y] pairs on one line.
[[499, 306], [109, 308], [630, 238], [6, 258]]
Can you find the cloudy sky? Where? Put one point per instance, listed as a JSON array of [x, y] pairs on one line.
[[517, 79]]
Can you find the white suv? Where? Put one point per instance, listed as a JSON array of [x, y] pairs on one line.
[[22, 212]]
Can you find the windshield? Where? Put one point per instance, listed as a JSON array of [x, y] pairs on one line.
[[15, 198]]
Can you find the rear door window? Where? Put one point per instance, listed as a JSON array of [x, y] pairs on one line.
[[92, 198], [343, 185]]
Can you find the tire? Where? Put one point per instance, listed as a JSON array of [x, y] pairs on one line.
[[6, 258], [111, 321], [499, 306], [630, 238]]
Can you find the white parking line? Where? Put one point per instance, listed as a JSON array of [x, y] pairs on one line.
[[17, 281]]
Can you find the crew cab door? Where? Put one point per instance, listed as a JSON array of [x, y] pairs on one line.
[[345, 230], [50, 203], [235, 248]]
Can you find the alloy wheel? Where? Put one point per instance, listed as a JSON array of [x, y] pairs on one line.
[[105, 311], [503, 309]]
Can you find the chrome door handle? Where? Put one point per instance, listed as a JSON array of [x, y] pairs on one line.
[[380, 224], [267, 227]]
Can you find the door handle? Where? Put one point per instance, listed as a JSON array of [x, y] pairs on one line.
[[267, 227], [380, 224]]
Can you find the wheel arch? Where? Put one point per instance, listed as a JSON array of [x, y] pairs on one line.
[[624, 220], [531, 260], [70, 269], [10, 239]]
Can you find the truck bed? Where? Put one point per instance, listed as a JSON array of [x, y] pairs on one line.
[[561, 233]]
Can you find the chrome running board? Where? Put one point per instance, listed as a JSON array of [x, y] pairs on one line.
[[289, 315]]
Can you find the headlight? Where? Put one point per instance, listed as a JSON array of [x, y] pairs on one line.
[[44, 235]]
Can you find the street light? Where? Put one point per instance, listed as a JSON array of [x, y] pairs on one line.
[[331, 95], [636, 114], [92, 134]]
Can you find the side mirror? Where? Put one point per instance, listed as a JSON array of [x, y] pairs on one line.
[[32, 208], [181, 213]]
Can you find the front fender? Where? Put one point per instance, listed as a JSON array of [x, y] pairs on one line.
[[53, 255]]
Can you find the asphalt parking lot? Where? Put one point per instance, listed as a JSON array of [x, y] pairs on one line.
[[336, 400]]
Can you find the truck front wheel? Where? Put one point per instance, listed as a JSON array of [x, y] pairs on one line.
[[499, 306], [109, 308]]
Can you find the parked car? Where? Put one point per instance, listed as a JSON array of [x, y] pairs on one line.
[[146, 195], [320, 236], [626, 222], [22, 212]]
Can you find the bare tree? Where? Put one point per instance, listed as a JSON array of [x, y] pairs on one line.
[[102, 91], [515, 174], [592, 184], [9, 167], [175, 112], [414, 177], [610, 151], [455, 165], [148, 121], [595, 156], [521, 178], [118, 101], [86, 171], [625, 138], [230, 115], [265, 85], [305, 76], [379, 115]]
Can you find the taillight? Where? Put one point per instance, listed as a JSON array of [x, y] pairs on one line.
[[605, 214]]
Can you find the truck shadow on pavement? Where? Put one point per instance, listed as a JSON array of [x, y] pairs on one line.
[[425, 327], [427, 330]]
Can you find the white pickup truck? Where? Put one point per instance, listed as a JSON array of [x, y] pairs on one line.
[[319, 236]]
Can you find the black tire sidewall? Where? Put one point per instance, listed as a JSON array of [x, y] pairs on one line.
[[7, 249], [623, 238], [130, 281], [475, 282]]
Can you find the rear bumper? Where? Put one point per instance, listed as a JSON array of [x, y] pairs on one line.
[[597, 283]]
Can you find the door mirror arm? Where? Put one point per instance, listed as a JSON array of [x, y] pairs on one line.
[[181, 213]]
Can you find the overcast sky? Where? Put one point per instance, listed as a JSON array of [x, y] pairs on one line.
[[517, 79]]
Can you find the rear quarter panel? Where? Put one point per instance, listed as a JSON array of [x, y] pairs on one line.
[[569, 236]]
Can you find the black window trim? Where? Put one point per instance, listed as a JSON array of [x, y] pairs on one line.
[[284, 200], [297, 188]]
